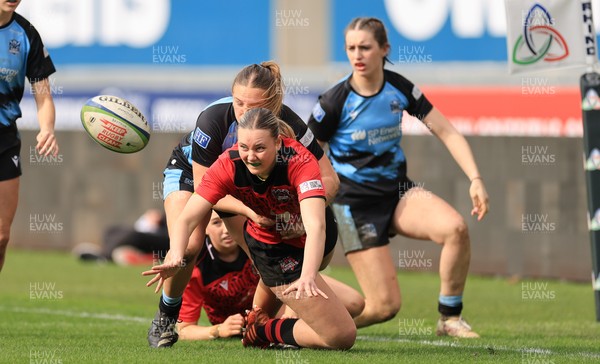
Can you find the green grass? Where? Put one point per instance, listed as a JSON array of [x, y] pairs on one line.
[[54, 309]]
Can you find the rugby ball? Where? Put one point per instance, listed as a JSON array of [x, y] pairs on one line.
[[115, 124]]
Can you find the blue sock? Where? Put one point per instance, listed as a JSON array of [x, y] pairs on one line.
[[451, 301], [170, 301]]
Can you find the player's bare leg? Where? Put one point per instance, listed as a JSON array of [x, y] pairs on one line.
[[446, 227], [9, 197], [378, 283], [324, 322], [162, 332]]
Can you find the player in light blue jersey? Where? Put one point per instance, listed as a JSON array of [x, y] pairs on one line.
[[361, 119], [22, 54]]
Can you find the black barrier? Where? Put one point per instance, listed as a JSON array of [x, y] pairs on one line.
[[590, 105]]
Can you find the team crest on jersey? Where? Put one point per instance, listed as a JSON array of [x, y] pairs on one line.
[[14, 47], [281, 194], [288, 264], [201, 138], [224, 284], [395, 107]]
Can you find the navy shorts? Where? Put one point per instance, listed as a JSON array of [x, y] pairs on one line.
[[367, 224], [10, 155], [281, 264], [179, 176]]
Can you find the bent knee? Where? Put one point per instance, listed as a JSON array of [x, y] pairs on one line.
[[385, 312], [390, 311], [344, 339], [356, 305], [456, 232]]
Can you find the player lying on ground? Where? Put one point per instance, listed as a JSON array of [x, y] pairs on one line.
[[223, 284]]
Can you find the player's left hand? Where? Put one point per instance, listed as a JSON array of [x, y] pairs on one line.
[[480, 198], [305, 287], [46, 143]]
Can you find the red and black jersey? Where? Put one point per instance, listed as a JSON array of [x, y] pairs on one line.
[[295, 177], [221, 288]]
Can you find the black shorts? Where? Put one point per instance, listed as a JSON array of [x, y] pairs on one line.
[[281, 264], [367, 224], [10, 154], [179, 176]]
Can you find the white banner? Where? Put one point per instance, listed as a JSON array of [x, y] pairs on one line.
[[549, 34]]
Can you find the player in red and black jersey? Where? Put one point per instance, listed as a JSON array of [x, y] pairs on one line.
[[223, 283], [278, 181], [257, 85]]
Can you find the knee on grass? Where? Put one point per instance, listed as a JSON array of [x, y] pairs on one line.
[[343, 339], [355, 304], [385, 312]]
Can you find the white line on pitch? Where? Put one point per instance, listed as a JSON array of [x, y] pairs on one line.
[[102, 316], [455, 344]]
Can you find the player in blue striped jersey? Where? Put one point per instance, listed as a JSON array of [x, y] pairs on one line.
[[361, 119], [22, 54]]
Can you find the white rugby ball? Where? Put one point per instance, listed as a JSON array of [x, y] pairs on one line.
[[115, 124]]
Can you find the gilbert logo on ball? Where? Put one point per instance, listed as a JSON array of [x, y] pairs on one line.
[[115, 124]]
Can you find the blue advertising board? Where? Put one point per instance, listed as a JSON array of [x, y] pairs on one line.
[[234, 32], [171, 32]]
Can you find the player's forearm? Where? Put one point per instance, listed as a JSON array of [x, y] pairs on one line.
[[330, 179], [45, 105], [232, 205], [454, 141], [314, 224], [461, 152], [190, 331]]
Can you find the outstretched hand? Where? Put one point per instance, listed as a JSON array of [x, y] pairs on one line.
[[161, 272], [480, 199]]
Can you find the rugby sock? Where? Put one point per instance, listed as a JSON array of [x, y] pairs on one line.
[[278, 331], [170, 305], [450, 305]]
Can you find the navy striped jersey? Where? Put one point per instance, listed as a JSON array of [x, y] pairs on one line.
[[216, 131], [22, 54], [364, 133]]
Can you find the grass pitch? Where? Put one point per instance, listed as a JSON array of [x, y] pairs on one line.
[[54, 309]]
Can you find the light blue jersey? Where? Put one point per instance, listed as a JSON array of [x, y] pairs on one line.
[[22, 54]]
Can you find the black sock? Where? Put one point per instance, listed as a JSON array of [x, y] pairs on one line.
[[171, 311], [278, 331], [449, 310]]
